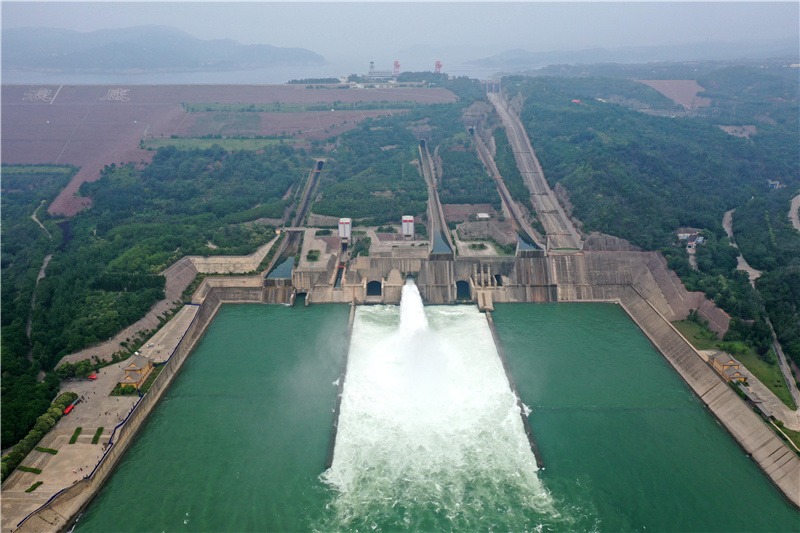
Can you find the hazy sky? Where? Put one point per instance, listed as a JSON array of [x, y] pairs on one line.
[[466, 29]]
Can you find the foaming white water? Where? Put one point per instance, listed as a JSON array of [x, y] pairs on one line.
[[429, 434]]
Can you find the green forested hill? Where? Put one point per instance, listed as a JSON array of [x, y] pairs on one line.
[[24, 247], [638, 176], [770, 243], [102, 276], [641, 177]]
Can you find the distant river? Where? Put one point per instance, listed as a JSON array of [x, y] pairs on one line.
[[260, 76], [239, 441]]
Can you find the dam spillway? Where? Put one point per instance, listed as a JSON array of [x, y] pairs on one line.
[[241, 435], [429, 433]]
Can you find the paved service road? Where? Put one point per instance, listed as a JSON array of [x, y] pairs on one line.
[[793, 216], [561, 233], [742, 265]]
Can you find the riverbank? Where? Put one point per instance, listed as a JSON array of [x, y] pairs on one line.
[[37, 512]]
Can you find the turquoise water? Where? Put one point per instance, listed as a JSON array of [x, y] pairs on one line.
[[240, 438], [626, 445], [428, 437], [283, 269]]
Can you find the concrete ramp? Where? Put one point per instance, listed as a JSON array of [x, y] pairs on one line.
[[771, 454]]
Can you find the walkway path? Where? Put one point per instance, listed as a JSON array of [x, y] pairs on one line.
[[561, 234], [791, 419], [793, 216], [41, 274], [741, 263], [179, 276], [33, 217]]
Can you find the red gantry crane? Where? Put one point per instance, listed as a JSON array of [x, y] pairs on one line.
[[396, 68], [438, 69]]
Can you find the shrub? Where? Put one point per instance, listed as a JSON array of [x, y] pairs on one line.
[[124, 390], [74, 437], [97, 434], [34, 486], [12, 460], [46, 450], [29, 469]]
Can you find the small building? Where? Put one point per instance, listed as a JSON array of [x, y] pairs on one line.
[[345, 229], [773, 184], [757, 403], [136, 369], [694, 240], [483, 216], [727, 367]]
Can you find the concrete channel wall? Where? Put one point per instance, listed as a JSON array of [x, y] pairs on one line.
[[771, 454], [60, 512], [236, 289]]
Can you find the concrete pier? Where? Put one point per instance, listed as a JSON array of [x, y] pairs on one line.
[[525, 422], [340, 390], [60, 511]]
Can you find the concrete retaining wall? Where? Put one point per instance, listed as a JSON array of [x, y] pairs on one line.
[[236, 264], [771, 454], [236, 289], [59, 513], [600, 275]]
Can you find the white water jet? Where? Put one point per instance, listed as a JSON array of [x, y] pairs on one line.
[[429, 432]]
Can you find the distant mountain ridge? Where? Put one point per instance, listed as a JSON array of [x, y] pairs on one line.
[[518, 59], [139, 48]]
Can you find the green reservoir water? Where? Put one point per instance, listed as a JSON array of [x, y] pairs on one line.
[[626, 445], [429, 437], [241, 436]]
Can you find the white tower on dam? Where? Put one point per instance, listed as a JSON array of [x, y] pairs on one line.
[[345, 228], [408, 226]]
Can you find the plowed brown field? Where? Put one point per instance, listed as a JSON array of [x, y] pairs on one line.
[[682, 92], [93, 126]]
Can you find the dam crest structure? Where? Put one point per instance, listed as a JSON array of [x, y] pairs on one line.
[[605, 269]]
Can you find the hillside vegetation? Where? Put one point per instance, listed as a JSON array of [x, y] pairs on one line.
[[633, 175], [103, 273], [641, 177]]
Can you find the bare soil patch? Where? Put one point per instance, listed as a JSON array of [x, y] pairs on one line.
[[308, 125], [91, 126], [462, 212], [682, 92], [739, 131]]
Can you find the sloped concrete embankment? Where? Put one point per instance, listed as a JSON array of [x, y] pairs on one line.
[[179, 276], [601, 276], [234, 264], [771, 454], [61, 510], [236, 289]]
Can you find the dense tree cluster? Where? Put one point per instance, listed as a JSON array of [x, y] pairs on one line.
[[635, 175], [507, 167], [764, 233], [43, 424], [24, 247], [770, 243], [464, 178], [103, 272], [372, 175]]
